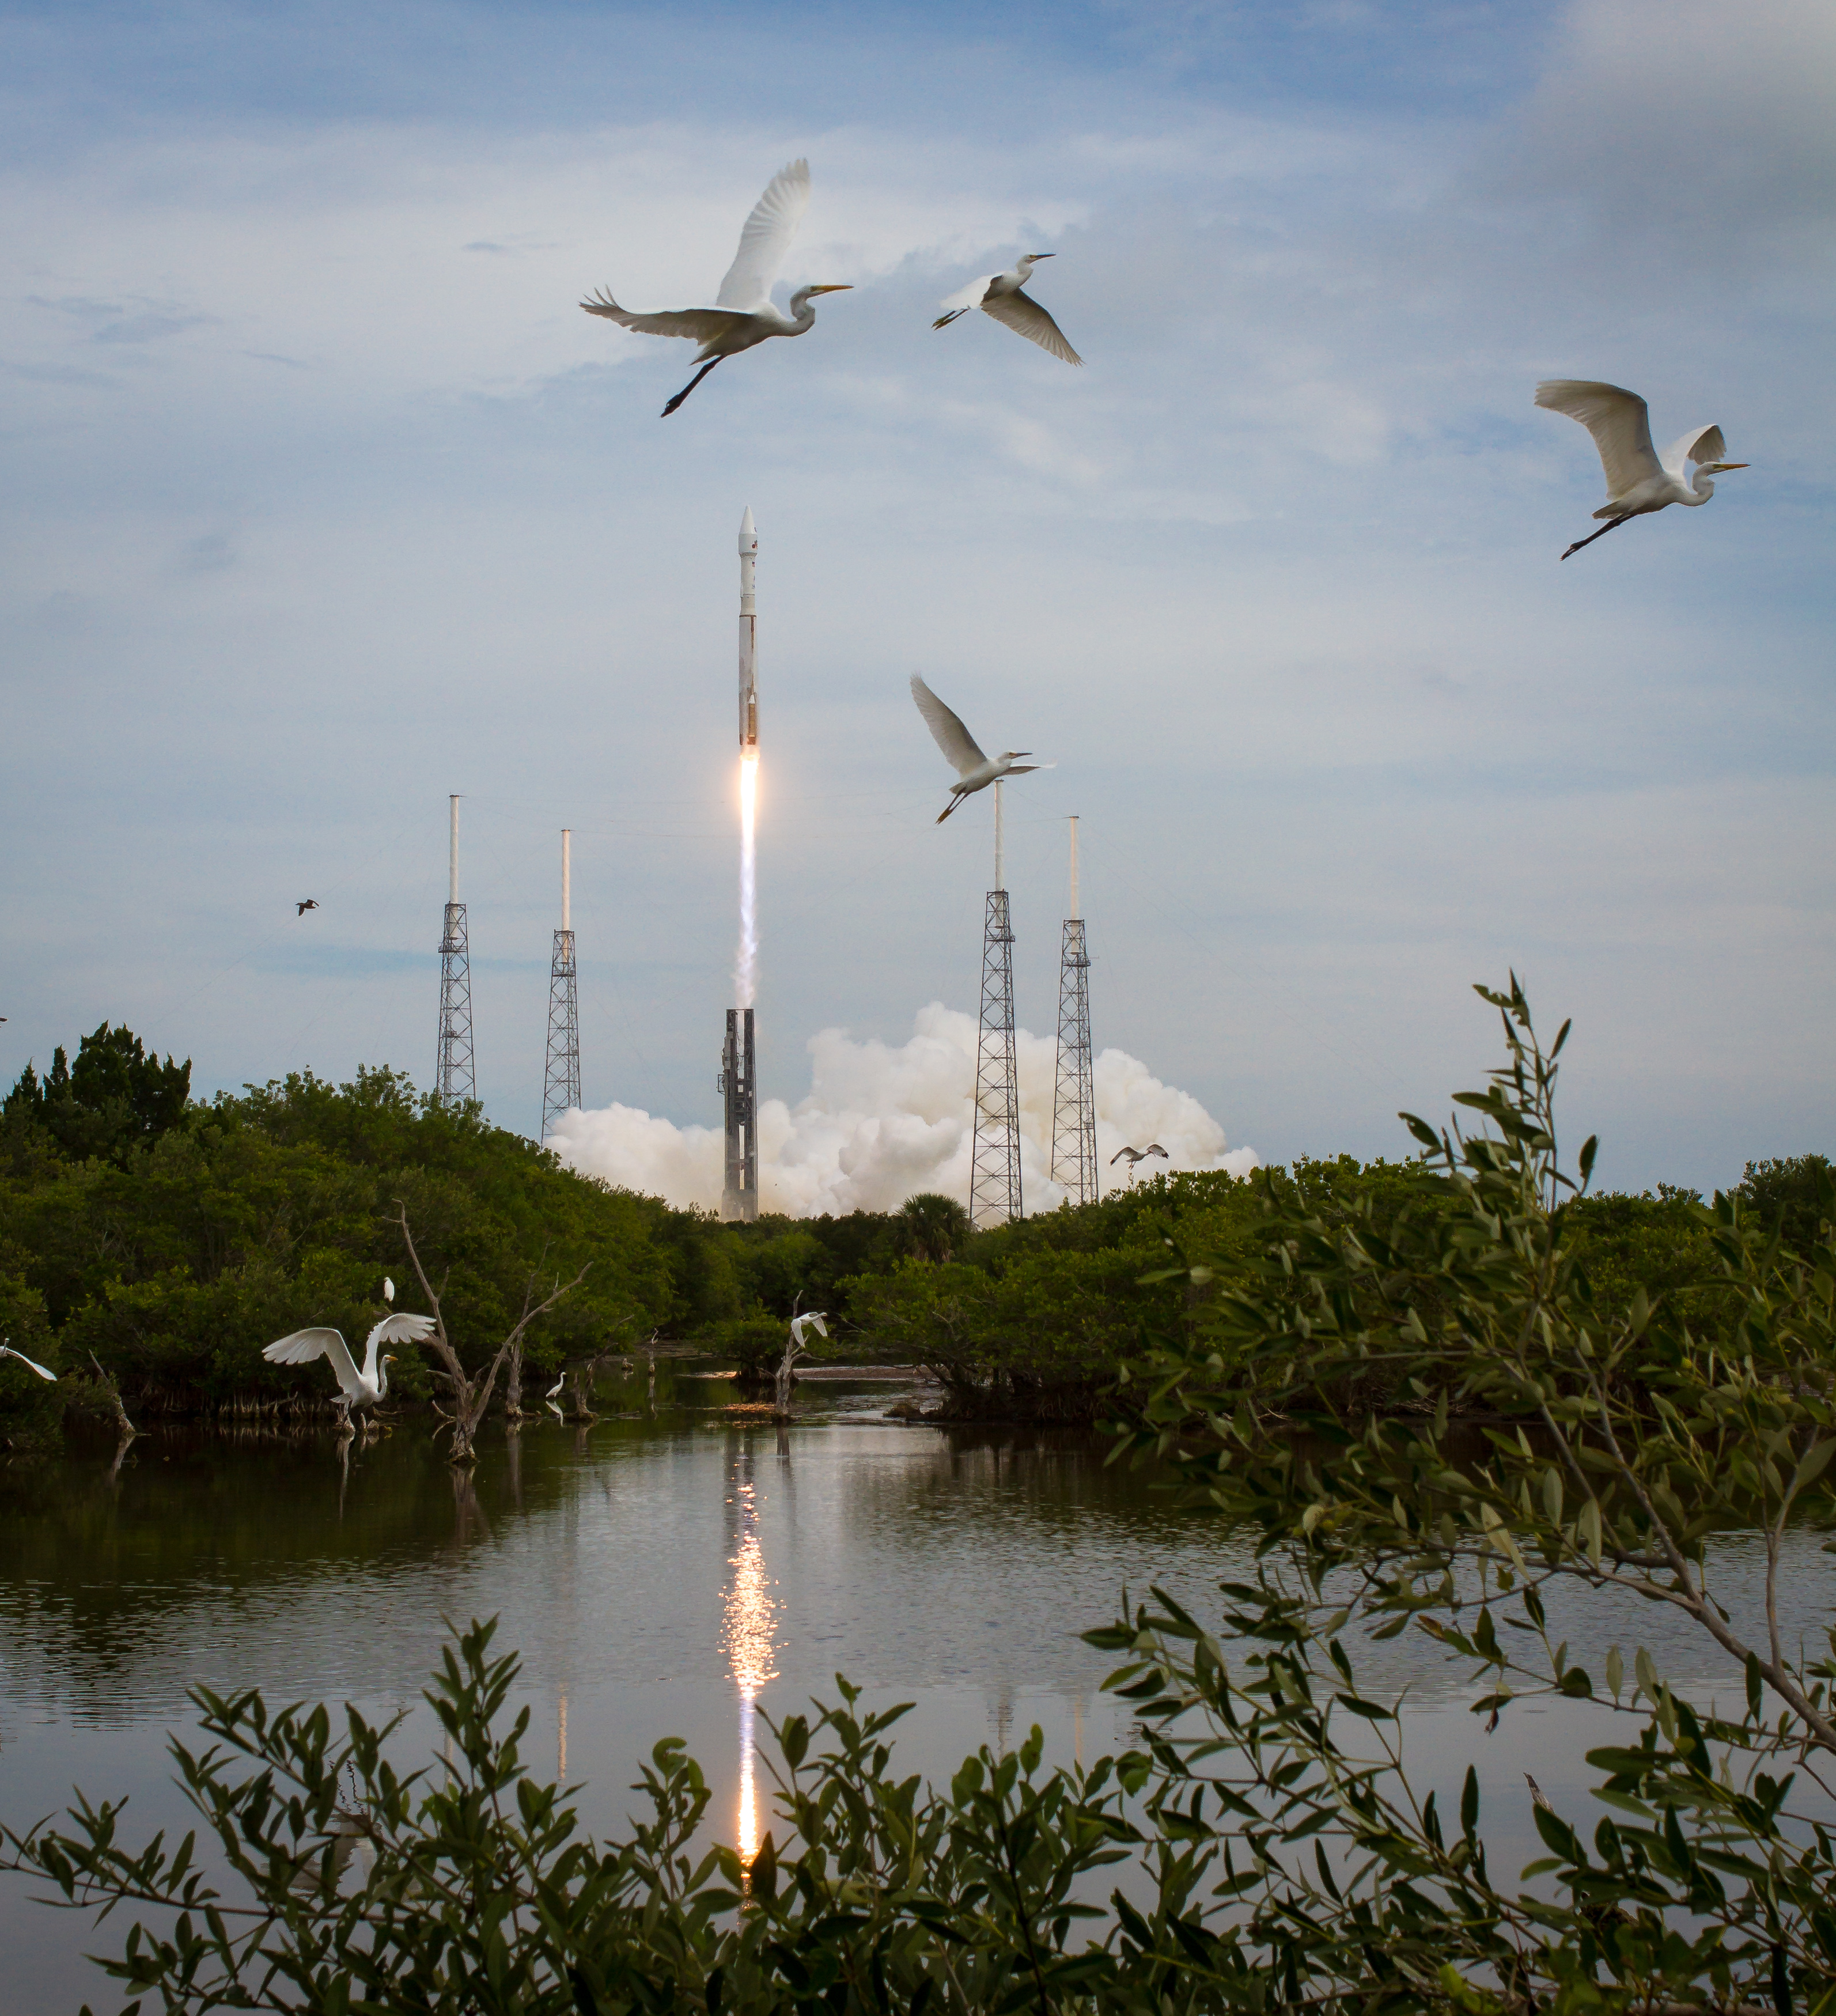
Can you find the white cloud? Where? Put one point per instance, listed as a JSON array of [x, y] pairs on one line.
[[1705, 130], [881, 1123]]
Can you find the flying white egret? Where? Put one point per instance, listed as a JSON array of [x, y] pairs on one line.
[[743, 314], [31, 1364], [974, 771], [1639, 480], [360, 1389], [1139, 1155], [800, 1326], [1000, 295]]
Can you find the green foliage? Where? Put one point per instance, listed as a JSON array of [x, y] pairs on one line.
[[929, 1226], [1788, 1196], [116, 1097], [334, 1882], [1549, 1433], [176, 1262], [31, 1411]]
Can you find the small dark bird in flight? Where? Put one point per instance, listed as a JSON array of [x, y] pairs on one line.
[[1138, 1155], [311, 903]]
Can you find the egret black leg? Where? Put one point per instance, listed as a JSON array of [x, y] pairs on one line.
[[688, 388], [1612, 525]]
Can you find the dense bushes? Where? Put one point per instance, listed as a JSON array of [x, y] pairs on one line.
[[170, 1240], [175, 1259]]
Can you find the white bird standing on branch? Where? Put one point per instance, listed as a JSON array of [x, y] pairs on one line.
[[974, 771], [31, 1364], [743, 314], [1639, 480], [359, 1389], [1000, 295]]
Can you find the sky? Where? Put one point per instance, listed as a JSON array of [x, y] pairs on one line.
[[322, 499]]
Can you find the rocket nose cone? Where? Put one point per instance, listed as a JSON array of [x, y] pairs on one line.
[[746, 534]]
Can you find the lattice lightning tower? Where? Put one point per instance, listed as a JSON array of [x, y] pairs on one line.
[[560, 1084], [994, 1173], [454, 1077], [1073, 1102]]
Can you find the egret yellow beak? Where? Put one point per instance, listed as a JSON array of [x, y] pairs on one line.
[[1716, 468], [843, 287]]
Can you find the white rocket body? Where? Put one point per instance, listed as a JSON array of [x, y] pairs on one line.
[[748, 637]]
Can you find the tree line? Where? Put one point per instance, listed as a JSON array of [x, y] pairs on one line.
[[156, 1242]]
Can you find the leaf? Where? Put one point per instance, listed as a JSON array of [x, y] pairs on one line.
[[1615, 1672], [1558, 1834], [1369, 1710], [1590, 1528], [1811, 1466]]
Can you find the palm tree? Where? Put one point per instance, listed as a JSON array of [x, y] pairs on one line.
[[931, 1226]]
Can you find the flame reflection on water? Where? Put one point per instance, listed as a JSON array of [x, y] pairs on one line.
[[749, 1643]]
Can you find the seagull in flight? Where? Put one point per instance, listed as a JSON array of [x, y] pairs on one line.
[[1639, 480], [311, 903], [31, 1364], [974, 771], [1001, 295], [1139, 1155], [742, 315]]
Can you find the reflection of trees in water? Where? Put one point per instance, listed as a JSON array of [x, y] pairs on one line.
[[110, 1571], [468, 1521]]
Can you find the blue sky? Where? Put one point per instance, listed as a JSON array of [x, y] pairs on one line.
[[322, 499]]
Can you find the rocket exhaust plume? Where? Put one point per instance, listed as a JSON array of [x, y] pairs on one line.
[[738, 1082], [747, 972]]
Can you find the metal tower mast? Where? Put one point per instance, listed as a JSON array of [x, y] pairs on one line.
[[994, 1172], [1073, 1102], [455, 1078], [560, 1084]]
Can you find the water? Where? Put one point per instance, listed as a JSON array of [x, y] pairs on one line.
[[660, 1574]]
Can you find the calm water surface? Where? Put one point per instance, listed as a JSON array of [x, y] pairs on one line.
[[661, 1573]]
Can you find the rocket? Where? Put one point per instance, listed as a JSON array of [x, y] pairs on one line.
[[748, 638]]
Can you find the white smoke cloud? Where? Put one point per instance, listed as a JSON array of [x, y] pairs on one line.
[[881, 1123]]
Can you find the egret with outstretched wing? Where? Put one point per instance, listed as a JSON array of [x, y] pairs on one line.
[[1639, 480], [358, 1389], [1000, 295], [31, 1364], [974, 771], [742, 315]]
